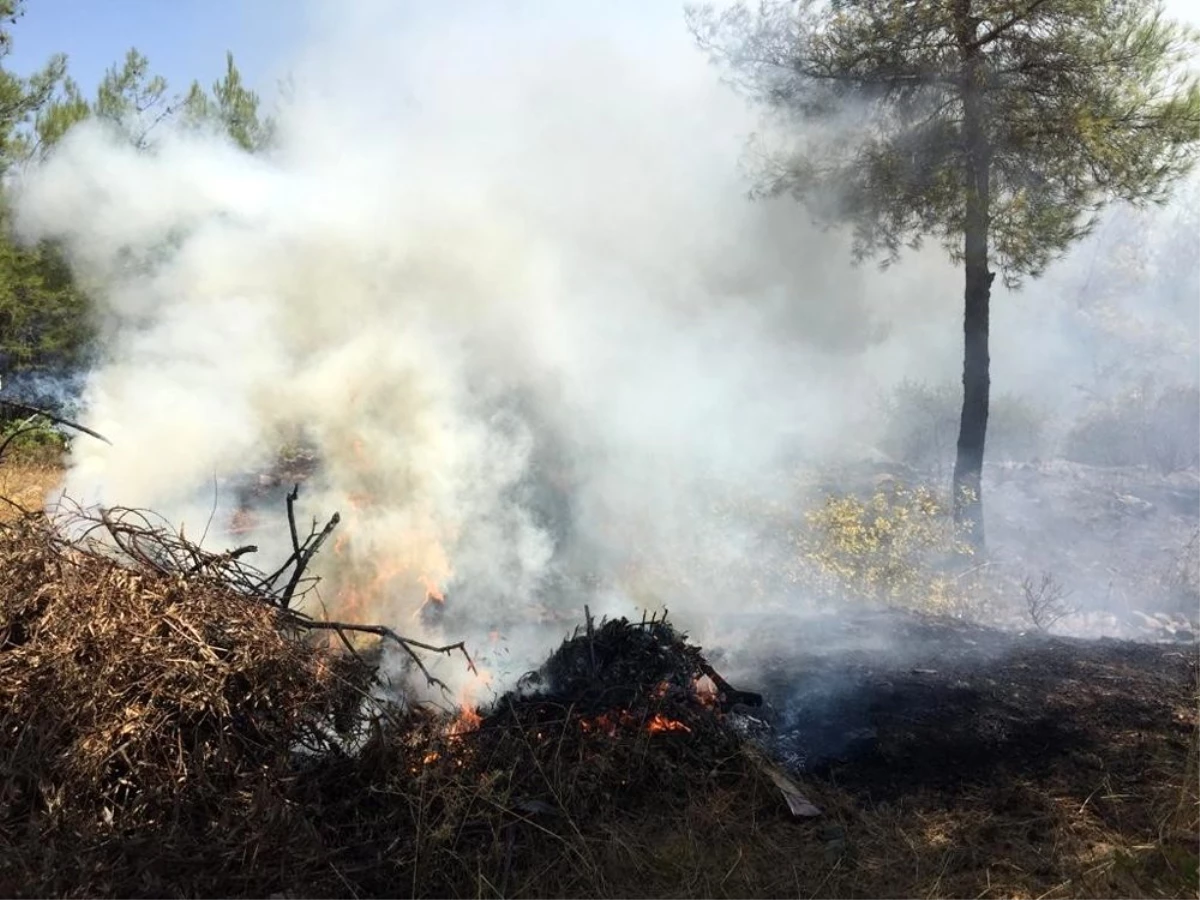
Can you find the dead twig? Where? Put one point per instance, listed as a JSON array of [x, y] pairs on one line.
[[1046, 601], [382, 631], [303, 556], [56, 419], [147, 542]]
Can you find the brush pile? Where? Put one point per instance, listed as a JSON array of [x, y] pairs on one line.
[[618, 713], [171, 724], [144, 713]]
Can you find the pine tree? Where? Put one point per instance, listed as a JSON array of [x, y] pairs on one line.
[[998, 127]]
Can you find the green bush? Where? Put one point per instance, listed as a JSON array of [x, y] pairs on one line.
[[33, 440]]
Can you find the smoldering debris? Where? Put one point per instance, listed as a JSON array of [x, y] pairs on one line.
[[185, 706], [195, 724]]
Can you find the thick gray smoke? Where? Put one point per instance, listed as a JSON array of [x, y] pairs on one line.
[[502, 275]]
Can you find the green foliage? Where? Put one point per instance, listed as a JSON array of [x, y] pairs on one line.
[[44, 316], [895, 546], [1081, 100], [920, 426], [232, 108], [32, 440], [44, 319], [132, 99], [53, 119]]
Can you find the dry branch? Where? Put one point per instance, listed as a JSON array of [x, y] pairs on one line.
[[382, 631], [53, 417], [148, 543]]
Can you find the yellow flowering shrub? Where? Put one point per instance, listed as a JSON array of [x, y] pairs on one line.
[[895, 546]]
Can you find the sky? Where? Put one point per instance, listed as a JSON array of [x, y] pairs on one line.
[[184, 39], [187, 39]]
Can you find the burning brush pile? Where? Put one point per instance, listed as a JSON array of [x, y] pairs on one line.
[[171, 724], [626, 708]]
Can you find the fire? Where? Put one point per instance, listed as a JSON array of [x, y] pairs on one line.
[[606, 723], [359, 499], [662, 723], [468, 719], [380, 583], [432, 593], [351, 604], [434, 596], [609, 723]]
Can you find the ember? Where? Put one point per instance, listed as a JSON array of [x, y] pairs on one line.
[[468, 719], [662, 723], [620, 680], [608, 723]]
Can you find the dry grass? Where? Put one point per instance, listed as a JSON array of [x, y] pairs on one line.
[[140, 711], [147, 733], [26, 484]]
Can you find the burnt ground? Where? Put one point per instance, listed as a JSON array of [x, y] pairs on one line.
[[965, 761], [948, 759], [974, 698]]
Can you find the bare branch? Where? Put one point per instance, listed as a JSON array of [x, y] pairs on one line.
[[58, 420], [406, 644]]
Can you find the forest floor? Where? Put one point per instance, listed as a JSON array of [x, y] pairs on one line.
[[946, 759]]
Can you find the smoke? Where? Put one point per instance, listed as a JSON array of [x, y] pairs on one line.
[[503, 277]]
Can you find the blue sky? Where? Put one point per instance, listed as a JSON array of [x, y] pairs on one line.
[[187, 39], [184, 39]]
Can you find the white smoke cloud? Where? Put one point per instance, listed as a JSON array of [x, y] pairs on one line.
[[499, 248]]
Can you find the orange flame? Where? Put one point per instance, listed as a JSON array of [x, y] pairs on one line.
[[468, 719], [432, 594], [662, 723], [605, 723], [609, 723]]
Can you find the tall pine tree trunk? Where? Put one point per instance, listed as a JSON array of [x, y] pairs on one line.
[[972, 432]]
